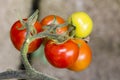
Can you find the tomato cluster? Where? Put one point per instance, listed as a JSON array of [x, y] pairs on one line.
[[74, 53]]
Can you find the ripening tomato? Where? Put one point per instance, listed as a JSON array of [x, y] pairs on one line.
[[84, 57], [61, 55], [18, 36], [83, 24], [54, 19]]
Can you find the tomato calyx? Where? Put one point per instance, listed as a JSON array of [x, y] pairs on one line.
[[72, 30], [50, 33], [29, 23]]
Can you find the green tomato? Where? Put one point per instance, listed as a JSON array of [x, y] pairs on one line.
[[82, 22]]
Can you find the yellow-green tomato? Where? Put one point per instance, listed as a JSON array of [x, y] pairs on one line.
[[83, 24]]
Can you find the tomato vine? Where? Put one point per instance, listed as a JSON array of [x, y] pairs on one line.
[[63, 47]]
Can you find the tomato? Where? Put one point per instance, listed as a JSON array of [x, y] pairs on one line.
[[61, 55], [83, 24], [54, 19], [84, 57], [18, 36]]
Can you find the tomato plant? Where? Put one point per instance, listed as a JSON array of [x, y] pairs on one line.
[[54, 19], [18, 36], [61, 51], [84, 57], [61, 55], [64, 44], [82, 23]]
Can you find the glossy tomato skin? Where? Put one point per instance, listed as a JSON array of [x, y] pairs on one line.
[[18, 36], [54, 19], [84, 58], [61, 55]]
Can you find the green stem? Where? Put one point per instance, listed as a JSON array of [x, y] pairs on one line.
[[24, 51], [35, 75]]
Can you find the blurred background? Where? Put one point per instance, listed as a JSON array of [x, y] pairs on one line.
[[104, 42]]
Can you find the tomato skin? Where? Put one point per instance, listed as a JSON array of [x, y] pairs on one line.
[[83, 24], [61, 55], [84, 57], [54, 19], [18, 36]]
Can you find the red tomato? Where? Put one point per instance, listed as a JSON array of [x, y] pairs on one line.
[[53, 19], [84, 58], [61, 55], [18, 36]]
